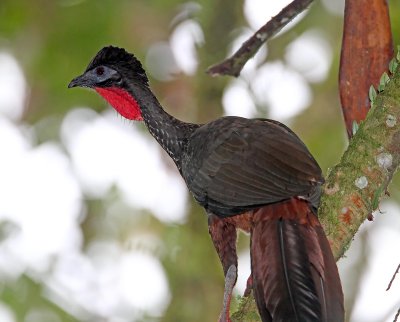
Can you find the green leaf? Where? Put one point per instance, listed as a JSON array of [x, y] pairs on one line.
[[372, 93], [393, 65], [383, 81], [376, 198], [398, 53], [355, 127]]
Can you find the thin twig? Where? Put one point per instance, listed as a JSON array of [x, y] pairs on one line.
[[393, 277], [234, 64], [397, 315]]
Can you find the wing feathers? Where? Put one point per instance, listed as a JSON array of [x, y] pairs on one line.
[[240, 163]]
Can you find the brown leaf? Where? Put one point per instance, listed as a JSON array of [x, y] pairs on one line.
[[366, 51]]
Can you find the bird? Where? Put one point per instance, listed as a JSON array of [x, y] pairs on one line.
[[255, 175]]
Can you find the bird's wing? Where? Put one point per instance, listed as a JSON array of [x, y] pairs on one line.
[[244, 163]]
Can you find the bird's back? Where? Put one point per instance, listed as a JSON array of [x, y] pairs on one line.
[[234, 164]]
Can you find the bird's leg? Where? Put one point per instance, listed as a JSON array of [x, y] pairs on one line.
[[230, 280], [223, 235]]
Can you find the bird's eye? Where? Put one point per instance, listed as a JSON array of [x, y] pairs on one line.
[[99, 71], [118, 79]]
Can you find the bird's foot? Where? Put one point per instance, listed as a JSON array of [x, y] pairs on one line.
[[230, 280]]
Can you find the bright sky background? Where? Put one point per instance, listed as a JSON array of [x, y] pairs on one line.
[[52, 183]]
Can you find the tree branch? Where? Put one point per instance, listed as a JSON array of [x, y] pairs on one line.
[[233, 65], [355, 186], [393, 277]]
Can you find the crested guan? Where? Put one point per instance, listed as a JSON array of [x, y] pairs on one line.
[[252, 174]]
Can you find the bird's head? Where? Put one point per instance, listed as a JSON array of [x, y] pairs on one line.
[[115, 74]]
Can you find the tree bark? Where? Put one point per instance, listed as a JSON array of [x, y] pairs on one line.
[[355, 186]]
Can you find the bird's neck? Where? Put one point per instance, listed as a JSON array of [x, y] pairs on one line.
[[139, 103], [169, 132]]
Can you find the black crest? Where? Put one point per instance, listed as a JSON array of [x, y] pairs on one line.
[[121, 60]]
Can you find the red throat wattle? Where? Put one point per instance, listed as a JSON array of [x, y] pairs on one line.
[[122, 101]]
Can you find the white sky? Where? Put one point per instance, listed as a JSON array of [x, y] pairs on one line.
[[184, 39], [6, 314], [13, 87], [311, 55]]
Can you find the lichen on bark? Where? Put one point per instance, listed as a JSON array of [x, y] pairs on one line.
[[373, 153]]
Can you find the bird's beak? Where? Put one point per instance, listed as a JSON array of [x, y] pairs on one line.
[[84, 80]]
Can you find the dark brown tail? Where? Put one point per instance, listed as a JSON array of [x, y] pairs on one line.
[[295, 277]]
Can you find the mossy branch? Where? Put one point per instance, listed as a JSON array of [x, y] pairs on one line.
[[355, 186], [247, 310]]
